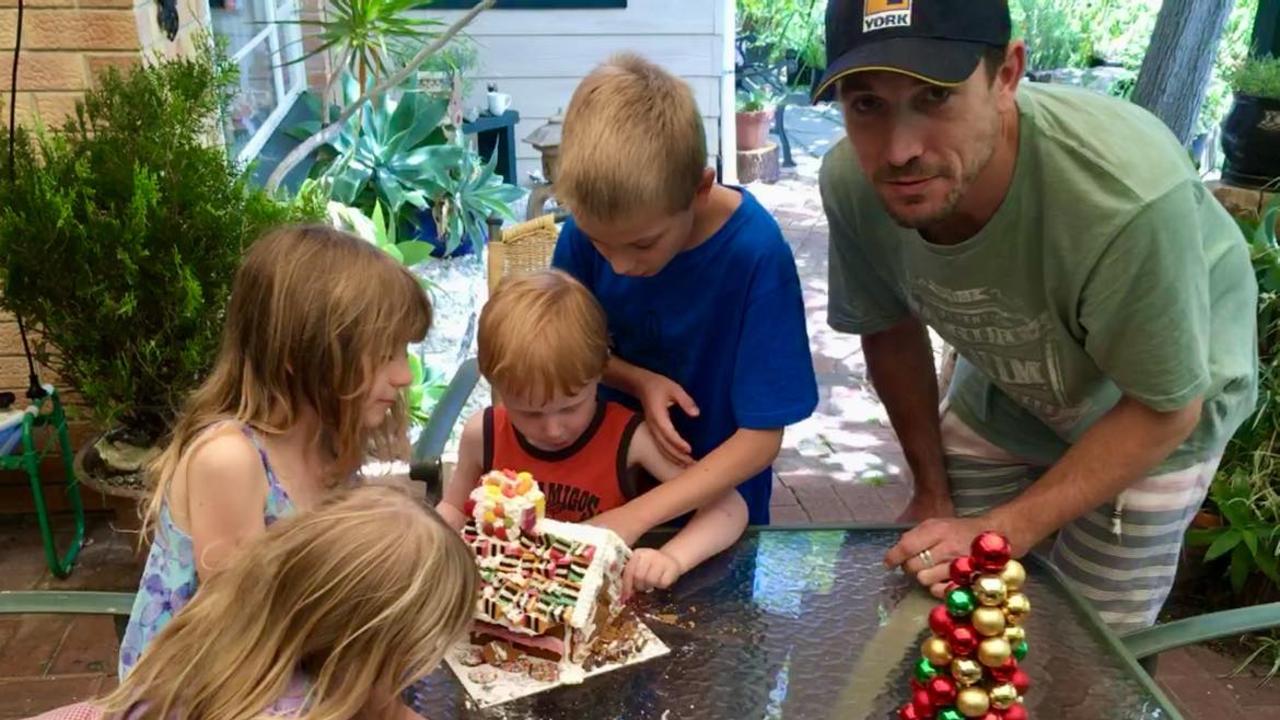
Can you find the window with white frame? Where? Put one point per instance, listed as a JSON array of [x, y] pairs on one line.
[[264, 39]]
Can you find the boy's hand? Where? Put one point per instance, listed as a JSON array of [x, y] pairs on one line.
[[649, 569], [657, 394]]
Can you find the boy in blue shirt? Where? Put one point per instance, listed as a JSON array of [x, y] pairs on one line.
[[700, 289]]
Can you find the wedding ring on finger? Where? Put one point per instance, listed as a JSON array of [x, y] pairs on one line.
[[926, 557]]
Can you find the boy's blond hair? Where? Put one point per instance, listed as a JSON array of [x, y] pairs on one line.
[[365, 595], [542, 334], [633, 143]]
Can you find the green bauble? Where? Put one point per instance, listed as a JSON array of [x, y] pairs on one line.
[[1020, 651], [961, 602], [949, 713], [925, 671]]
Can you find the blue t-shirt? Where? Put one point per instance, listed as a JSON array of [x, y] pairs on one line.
[[725, 320]]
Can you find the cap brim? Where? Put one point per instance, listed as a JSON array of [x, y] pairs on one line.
[[935, 61]]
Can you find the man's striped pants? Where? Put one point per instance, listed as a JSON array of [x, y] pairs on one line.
[[1121, 556]]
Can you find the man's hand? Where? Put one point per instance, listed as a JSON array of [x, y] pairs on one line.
[[924, 506], [649, 569], [945, 539], [657, 394]]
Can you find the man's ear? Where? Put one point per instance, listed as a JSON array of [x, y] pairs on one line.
[[1013, 69]]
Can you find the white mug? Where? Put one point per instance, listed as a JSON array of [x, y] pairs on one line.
[[498, 103]]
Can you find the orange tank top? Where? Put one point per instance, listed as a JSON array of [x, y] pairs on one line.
[[580, 481]]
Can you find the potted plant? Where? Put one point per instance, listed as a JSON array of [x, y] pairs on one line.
[[754, 118], [1251, 130], [119, 239]]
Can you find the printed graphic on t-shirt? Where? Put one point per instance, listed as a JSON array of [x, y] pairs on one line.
[[1015, 350], [570, 503]]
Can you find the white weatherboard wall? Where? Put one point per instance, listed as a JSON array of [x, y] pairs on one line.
[[539, 56]]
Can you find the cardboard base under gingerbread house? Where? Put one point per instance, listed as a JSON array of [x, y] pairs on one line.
[[489, 686]]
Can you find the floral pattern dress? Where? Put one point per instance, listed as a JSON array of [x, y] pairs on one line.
[[169, 577]]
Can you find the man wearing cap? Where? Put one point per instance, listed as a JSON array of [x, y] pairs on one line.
[[1100, 301]]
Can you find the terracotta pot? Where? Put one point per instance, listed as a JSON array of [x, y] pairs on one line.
[[753, 128], [1206, 519], [1251, 142], [93, 471]]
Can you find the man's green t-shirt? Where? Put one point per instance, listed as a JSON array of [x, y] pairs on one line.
[[1108, 269]]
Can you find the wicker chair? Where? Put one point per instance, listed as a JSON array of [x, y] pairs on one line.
[[521, 248]]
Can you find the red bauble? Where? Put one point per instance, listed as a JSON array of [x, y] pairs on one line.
[[908, 712], [468, 507], [942, 691], [916, 685], [922, 704], [990, 552], [1021, 681], [940, 621], [962, 570], [1004, 673], [1014, 712], [963, 640], [991, 715]]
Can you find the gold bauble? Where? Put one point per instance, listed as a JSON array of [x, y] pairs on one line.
[[1014, 576], [994, 651], [973, 702], [1016, 607], [1015, 634], [1002, 696], [988, 621], [936, 651], [966, 671], [990, 590]]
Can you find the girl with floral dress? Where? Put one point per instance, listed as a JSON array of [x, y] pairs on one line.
[[307, 384]]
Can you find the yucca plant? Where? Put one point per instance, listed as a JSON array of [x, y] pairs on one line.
[[366, 37]]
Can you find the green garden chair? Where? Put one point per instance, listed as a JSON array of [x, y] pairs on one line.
[[1150, 642], [19, 450]]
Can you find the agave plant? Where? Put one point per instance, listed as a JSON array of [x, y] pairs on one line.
[[386, 152], [465, 191]]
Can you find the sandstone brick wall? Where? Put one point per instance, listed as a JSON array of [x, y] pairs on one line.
[[66, 43]]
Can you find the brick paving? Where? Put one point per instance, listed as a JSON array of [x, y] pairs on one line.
[[841, 465]]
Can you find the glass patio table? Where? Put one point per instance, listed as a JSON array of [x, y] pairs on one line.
[[801, 623]]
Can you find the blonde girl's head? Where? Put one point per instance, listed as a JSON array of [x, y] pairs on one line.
[[364, 595], [316, 318]]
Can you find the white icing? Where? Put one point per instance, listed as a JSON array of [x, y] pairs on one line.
[[611, 551]]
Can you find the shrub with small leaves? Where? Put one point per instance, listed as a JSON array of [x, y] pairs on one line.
[[1256, 76], [121, 233]]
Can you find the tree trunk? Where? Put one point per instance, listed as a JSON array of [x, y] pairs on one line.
[[1175, 72]]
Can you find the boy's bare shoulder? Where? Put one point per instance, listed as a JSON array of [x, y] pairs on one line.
[[473, 428]]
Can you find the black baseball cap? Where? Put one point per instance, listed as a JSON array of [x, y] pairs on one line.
[[938, 41]]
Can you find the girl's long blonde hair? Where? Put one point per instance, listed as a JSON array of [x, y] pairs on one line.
[[365, 595], [312, 314]]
